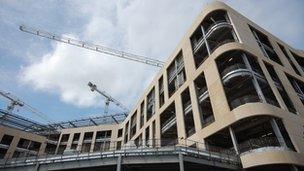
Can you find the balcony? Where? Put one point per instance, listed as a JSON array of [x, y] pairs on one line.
[[235, 70], [168, 124], [214, 30], [259, 143]]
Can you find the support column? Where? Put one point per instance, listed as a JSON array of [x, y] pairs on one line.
[[181, 162], [234, 141], [37, 167], [277, 132], [118, 166]]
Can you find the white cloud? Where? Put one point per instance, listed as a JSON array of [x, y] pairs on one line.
[[145, 27], [150, 28]]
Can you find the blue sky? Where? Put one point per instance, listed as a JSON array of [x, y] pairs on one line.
[[52, 77]]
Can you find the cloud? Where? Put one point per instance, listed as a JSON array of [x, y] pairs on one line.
[[150, 28], [147, 28]]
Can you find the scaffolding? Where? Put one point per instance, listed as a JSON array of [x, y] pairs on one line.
[[90, 121], [21, 123]]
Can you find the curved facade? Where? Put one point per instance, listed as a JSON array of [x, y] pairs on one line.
[[229, 86]]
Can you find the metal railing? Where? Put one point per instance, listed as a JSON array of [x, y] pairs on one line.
[[243, 100], [149, 147], [256, 143]]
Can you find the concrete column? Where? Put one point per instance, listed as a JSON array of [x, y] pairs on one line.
[[181, 162], [42, 148], [118, 167], [59, 140], [195, 107], [80, 141], [234, 141], [12, 147], [180, 124], [37, 166], [157, 129], [70, 141], [93, 141], [277, 132]]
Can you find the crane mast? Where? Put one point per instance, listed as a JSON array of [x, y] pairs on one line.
[[93, 47], [108, 99]]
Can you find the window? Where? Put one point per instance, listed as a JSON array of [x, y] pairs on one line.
[[2, 152], [102, 140], [214, 31], [188, 114], [118, 145], [288, 58], [34, 146], [265, 45], [101, 135], [147, 132], [142, 114], [176, 74], [161, 91], [126, 133], [23, 143], [119, 134], [76, 137], [133, 124], [150, 104], [88, 136], [7, 139], [298, 87], [280, 88], [65, 137], [299, 59], [50, 148], [243, 80], [168, 126], [205, 108]]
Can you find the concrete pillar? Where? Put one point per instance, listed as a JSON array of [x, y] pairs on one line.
[[277, 132], [70, 141], [93, 141], [12, 147], [234, 141], [37, 166], [59, 140], [157, 129], [118, 166], [80, 141], [180, 124], [195, 107], [181, 162]]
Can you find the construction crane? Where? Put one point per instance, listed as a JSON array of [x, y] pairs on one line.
[[13, 101], [108, 99], [17, 102], [93, 47]]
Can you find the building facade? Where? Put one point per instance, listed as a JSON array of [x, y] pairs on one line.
[[228, 86]]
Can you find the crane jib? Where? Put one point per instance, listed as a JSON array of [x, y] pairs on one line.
[[93, 47]]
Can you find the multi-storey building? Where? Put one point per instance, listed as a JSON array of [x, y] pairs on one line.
[[229, 87]]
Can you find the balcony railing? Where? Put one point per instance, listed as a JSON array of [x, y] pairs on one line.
[[168, 123], [260, 142], [243, 100], [139, 148], [208, 32]]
